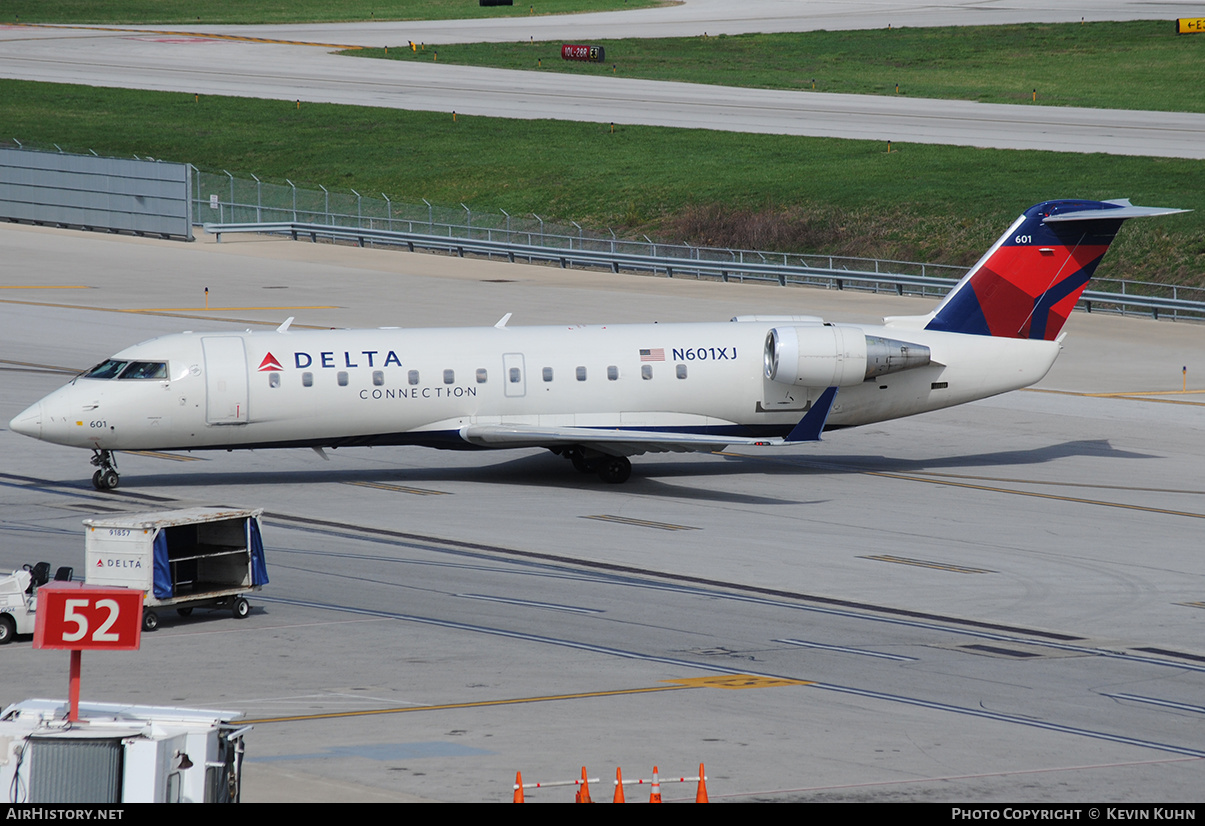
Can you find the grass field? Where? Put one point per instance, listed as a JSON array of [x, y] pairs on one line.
[[930, 203], [1133, 65], [151, 12]]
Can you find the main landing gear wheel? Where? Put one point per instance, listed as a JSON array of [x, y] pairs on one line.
[[615, 470], [106, 477]]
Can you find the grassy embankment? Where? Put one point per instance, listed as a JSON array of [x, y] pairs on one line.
[[933, 203], [166, 12], [1132, 65], [930, 203]]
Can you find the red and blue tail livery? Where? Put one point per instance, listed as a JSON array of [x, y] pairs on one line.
[[1028, 282]]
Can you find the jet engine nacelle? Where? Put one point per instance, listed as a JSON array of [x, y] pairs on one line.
[[828, 355]]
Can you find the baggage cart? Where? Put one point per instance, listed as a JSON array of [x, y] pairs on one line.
[[181, 559]]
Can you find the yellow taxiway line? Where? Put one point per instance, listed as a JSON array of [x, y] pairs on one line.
[[205, 35], [726, 681]]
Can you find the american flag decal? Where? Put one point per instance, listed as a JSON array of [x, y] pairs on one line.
[[656, 354]]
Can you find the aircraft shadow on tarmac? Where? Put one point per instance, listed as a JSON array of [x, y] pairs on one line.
[[651, 477]]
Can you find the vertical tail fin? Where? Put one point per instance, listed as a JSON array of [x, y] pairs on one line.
[[1028, 282]]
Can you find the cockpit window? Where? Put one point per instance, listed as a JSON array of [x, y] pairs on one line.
[[106, 369], [145, 370]]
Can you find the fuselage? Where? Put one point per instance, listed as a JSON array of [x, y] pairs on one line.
[[292, 388]]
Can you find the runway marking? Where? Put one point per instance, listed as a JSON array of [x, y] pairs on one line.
[[1164, 652], [154, 454], [44, 287], [1012, 719], [1136, 395], [1063, 484], [1157, 702], [48, 368], [184, 313], [841, 649], [737, 681], [1192, 604], [526, 603], [585, 695], [219, 309], [998, 651], [1075, 499], [399, 488], [641, 523], [924, 563], [202, 35], [936, 478]]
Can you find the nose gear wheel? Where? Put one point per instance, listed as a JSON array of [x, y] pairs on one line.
[[106, 477]]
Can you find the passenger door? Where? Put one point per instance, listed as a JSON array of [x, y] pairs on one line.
[[225, 380]]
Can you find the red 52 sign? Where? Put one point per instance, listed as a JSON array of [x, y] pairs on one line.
[[76, 616]]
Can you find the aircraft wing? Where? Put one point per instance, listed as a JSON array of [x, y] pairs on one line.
[[617, 442], [611, 442]]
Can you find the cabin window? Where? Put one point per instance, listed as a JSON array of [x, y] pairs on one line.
[[145, 370], [449, 376], [581, 374], [681, 371], [482, 375], [413, 377], [106, 369], [341, 377], [378, 378], [547, 374], [612, 373], [515, 375], [274, 379], [307, 379], [646, 371]]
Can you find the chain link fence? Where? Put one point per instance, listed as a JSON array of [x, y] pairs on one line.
[[224, 199]]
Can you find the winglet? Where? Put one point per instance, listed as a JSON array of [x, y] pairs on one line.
[[283, 327], [502, 321], [812, 424]]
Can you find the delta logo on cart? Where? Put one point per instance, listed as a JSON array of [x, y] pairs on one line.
[[269, 364], [116, 562]]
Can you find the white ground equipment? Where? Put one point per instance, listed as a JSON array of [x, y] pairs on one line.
[[19, 598], [119, 754]]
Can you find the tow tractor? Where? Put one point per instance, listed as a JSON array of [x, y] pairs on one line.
[[19, 598]]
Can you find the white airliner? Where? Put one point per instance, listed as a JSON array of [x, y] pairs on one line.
[[595, 394]]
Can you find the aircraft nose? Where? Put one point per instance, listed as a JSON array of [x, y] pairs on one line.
[[28, 422]]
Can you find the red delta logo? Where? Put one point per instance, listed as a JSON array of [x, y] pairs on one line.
[[269, 363]]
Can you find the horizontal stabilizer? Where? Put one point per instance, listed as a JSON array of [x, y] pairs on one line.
[[1127, 211]]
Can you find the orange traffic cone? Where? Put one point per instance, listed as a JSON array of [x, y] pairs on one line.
[[618, 786], [701, 794], [655, 797], [583, 794], [518, 787]]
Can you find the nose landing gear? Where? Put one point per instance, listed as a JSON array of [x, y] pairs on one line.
[[106, 477]]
